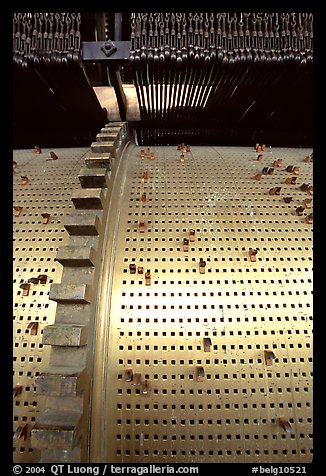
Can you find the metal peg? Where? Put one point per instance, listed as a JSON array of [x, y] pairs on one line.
[[148, 278], [291, 180], [33, 280], [278, 163], [33, 326], [269, 357], [128, 375], [141, 226], [288, 199], [182, 158], [309, 158], [17, 390], [185, 244], [25, 287], [309, 219], [284, 422], [299, 211], [17, 211], [136, 379], [192, 235], [46, 218], [140, 270], [307, 202], [53, 156], [275, 191], [24, 180], [202, 265], [143, 197], [21, 432], [145, 175], [207, 344], [145, 388], [258, 176], [252, 254], [260, 157], [132, 268], [14, 166], [42, 278], [37, 150], [200, 374]]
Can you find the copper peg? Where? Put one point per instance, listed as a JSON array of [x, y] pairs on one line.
[[132, 268], [24, 180], [310, 190], [207, 344], [143, 197], [185, 244], [53, 156], [192, 235], [17, 211], [258, 148], [275, 191], [258, 176], [277, 163], [46, 218], [182, 158], [309, 219], [252, 254], [200, 374], [270, 171], [33, 326], [290, 180], [21, 432], [152, 156], [187, 148], [269, 357], [142, 154], [128, 375], [145, 388], [25, 287], [299, 211], [304, 187], [202, 265], [33, 280], [309, 158], [145, 175], [37, 150], [17, 390], [148, 278], [263, 147], [307, 202], [288, 199], [260, 157], [14, 166], [141, 226], [140, 270], [293, 170], [284, 422], [42, 278], [136, 379], [148, 151]]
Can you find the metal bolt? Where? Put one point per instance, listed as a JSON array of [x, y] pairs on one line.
[[207, 344], [128, 375]]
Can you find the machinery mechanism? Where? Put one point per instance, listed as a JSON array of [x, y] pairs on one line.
[[163, 237]]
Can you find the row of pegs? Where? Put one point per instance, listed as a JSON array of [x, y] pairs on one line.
[[295, 170]]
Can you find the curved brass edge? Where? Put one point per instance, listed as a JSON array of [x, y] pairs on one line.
[[98, 336]]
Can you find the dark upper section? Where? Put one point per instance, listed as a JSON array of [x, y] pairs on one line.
[[200, 78]]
